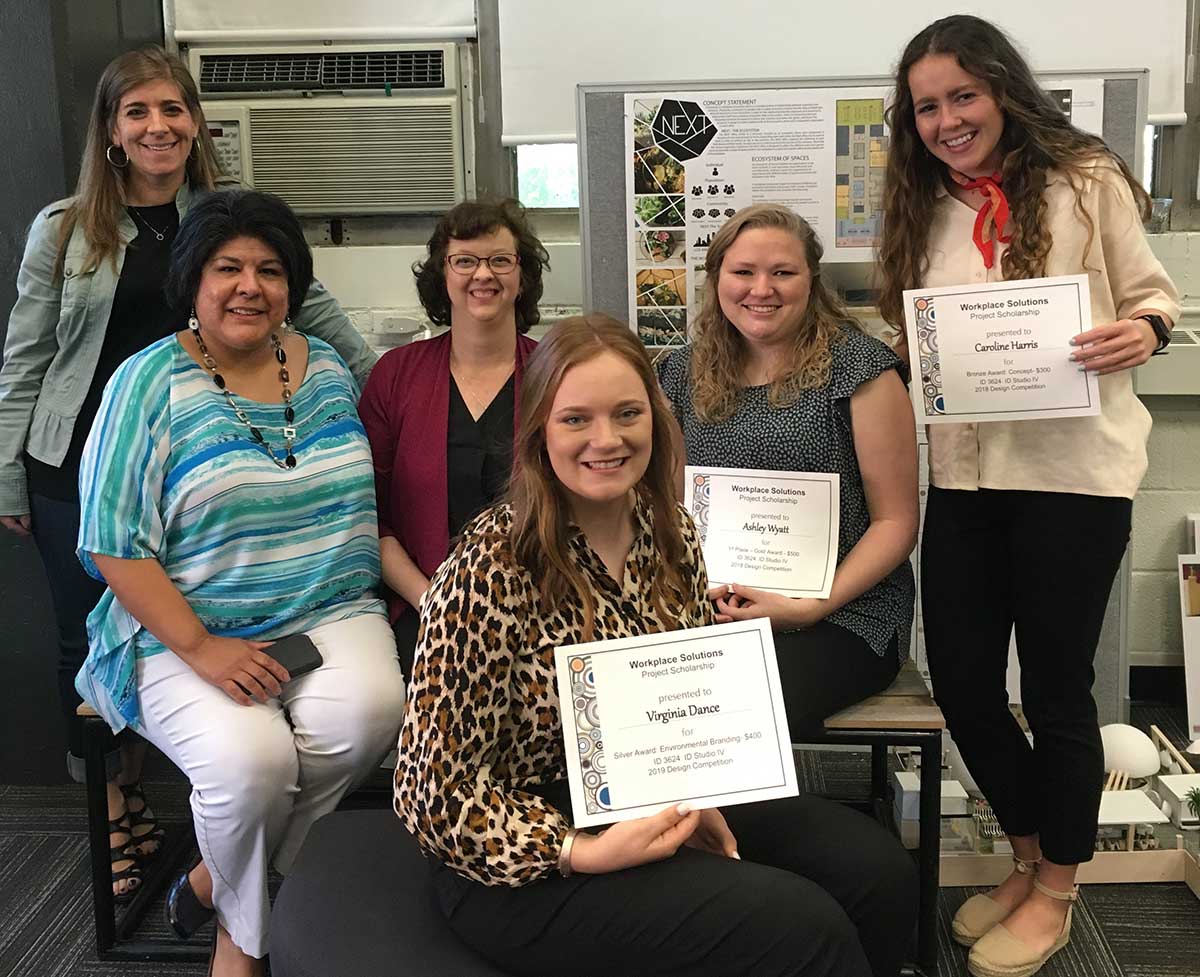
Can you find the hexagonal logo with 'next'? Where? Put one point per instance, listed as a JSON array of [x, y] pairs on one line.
[[682, 130]]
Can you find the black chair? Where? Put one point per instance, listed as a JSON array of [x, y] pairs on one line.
[[358, 901]]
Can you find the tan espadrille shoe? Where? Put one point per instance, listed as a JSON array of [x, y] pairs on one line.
[[980, 913], [1000, 954]]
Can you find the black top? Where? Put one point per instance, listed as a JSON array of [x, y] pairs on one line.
[[814, 434], [478, 454], [139, 317]]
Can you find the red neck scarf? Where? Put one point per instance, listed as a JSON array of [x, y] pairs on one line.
[[992, 216]]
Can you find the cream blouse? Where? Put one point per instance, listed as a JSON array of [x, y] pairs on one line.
[[1102, 455]]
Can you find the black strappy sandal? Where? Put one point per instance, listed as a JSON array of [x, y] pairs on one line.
[[149, 842], [131, 874]]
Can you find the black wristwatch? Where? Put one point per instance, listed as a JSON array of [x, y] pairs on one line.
[[1162, 332]]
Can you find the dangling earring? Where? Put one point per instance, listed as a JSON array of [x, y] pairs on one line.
[[287, 323], [194, 323], [112, 162]]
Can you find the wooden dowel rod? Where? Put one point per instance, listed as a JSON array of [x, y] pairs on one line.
[[1156, 733]]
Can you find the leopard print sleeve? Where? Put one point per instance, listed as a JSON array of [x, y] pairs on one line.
[[457, 743], [699, 610]]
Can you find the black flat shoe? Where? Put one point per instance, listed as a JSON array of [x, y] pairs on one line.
[[185, 912]]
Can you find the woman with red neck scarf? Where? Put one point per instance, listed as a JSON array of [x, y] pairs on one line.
[[1026, 523]]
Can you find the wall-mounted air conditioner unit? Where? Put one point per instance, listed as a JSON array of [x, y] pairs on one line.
[[340, 129]]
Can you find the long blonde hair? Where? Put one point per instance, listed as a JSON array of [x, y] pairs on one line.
[[99, 201], [1038, 137], [540, 536]]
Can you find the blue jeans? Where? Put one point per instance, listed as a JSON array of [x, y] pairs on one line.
[[73, 594]]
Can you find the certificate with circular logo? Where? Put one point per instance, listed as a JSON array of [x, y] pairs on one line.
[[775, 531], [1000, 352], [695, 715]]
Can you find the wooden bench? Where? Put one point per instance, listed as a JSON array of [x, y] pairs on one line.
[[115, 939], [904, 714]]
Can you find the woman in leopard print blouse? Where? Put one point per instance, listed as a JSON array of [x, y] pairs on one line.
[[591, 544]]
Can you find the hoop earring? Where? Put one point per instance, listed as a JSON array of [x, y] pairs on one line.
[[112, 162]]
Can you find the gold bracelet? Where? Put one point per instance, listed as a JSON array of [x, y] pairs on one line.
[[564, 853]]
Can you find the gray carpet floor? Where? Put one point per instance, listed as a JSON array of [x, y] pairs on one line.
[[46, 925]]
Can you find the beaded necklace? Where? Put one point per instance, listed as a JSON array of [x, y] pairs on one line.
[[289, 414]]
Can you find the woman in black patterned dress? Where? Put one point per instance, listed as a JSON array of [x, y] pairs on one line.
[[779, 377]]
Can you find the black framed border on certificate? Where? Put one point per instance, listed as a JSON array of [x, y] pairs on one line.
[[694, 715], [775, 531], [1001, 351]]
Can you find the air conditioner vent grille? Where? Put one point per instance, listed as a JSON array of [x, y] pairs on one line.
[[378, 70], [330, 158]]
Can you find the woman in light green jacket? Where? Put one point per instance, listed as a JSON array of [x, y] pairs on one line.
[[89, 295]]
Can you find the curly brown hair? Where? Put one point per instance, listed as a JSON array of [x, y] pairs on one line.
[[471, 219], [718, 351], [1037, 138], [540, 536]]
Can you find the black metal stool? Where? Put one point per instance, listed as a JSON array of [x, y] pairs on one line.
[[903, 715], [115, 934]]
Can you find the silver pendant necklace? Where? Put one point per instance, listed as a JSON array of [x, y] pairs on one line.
[[161, 235]]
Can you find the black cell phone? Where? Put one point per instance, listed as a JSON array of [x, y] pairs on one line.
[[296, 653]]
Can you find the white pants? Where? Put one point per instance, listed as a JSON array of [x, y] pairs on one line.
[[261, 775]]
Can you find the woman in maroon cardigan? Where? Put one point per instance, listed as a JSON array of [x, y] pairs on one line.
[[441, 413]]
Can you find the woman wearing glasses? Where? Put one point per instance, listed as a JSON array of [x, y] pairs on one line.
[[440, 413]]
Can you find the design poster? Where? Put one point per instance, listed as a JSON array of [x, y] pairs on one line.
[[695, 159]]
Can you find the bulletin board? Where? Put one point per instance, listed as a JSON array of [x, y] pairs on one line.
[[661, 165]]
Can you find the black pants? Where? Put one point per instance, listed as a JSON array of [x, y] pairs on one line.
[[1044, 562], [405, 629], [821, 890], [824, 669], [73, 594]]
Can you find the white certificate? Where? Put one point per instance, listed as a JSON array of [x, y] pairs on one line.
[[776, 531], [1000, 352], [694, 715]]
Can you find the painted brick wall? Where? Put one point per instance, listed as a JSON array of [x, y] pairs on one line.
[[1170, 490]]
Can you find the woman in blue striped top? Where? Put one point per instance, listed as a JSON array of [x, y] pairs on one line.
[[227, 501]]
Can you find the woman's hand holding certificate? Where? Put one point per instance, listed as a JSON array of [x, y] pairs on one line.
[[1122, 345], [628, 844], [735, 602]]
